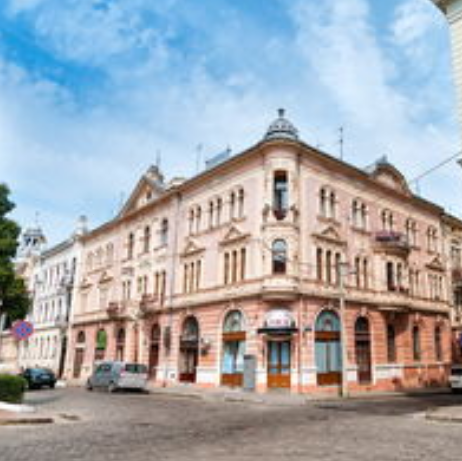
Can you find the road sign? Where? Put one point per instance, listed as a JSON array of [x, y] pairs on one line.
[[22, 330]]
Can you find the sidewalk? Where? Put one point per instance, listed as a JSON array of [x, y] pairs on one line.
[[446, 414], [278, 398]]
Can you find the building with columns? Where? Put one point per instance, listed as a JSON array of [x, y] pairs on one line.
[[241, 266]]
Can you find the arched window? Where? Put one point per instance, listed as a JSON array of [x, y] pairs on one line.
[[279, 256], [363, 350], [332, 205], [81, 338], [232, 205], [319, 263], [190, 330], [226, 269], [198, 219], [329, 266], [164, 232], [328, 321], [130, 245], [241, 197], [234, 322], [438, 345], [281, 194], [323, 202], [219, 210], [147, 239], [211, 215], [416, 349]]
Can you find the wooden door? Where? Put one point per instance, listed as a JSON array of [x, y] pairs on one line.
[[279, 364], [363, 361], [78, 362], [153, 360]]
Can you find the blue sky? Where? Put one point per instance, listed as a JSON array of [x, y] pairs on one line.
[[91, 91]]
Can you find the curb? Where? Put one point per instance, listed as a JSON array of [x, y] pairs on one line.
[[25, 421], [442, 418], [16, 408]]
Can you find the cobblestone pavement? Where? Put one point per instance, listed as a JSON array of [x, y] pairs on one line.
[[136, 427]]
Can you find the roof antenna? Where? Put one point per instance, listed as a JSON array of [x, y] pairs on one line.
[[341, 141], [158, 158], [199, 149]]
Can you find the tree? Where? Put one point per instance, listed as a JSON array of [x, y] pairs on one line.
[[14, 299]]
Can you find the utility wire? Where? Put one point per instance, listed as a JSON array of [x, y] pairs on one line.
[[436, 167]]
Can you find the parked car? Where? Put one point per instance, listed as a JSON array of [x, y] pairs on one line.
[[37, 378], [118, 375], [455, 378]]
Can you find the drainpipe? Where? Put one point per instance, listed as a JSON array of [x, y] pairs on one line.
[[172, 286]]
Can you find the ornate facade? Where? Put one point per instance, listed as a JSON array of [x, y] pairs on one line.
[[243, 266]]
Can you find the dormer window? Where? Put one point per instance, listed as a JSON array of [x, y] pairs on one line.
[[280, 195]]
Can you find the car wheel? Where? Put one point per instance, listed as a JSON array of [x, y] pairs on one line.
[[112, 388], [52, 385], [89, 386]]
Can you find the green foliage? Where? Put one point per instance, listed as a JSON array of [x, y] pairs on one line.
[[12, 388], [13, 293]]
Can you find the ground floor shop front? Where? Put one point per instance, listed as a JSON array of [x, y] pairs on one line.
[[263, 346]]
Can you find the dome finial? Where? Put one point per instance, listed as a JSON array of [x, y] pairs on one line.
[[282, 128]]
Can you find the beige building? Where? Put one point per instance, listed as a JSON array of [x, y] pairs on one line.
[[234, 276]]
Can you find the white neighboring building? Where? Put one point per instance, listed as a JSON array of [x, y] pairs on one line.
[[52, 286], [453, 11]]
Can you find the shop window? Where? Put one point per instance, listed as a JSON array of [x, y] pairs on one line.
[[279, 257], [101, 343]]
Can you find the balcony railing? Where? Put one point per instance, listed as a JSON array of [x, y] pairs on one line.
[[391, 240]]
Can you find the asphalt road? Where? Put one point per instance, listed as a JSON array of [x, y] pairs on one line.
[[132, 427]]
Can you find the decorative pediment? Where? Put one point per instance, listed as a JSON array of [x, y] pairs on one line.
[[436, 264], [388, 175], [191, 249], [149, 187], [85, 284], [330, 235], [233, 235]]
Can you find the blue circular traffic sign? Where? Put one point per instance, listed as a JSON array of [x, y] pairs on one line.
[[22, 329]]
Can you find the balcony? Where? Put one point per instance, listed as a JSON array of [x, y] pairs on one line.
[[392, 242], [115, 310], [280, 288], [150, 303]]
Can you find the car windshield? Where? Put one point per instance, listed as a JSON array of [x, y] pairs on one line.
[[135, 368], [40, 371]]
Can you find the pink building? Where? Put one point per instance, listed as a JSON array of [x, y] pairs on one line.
[[242, 267]]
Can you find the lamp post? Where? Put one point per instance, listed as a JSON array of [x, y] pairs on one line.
[[343, 272]]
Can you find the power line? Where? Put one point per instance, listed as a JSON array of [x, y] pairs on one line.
[[436, 167]]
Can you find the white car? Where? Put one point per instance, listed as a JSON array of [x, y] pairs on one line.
[[118, 375], [455, 378]]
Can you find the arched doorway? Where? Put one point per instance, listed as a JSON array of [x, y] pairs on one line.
[[233, 349], [120, 344], [189, 350], [79, 354], [363, 350], [328, 349], [154, 350], [101, 343]]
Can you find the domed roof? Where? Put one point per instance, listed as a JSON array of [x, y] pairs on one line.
[[281, 128]]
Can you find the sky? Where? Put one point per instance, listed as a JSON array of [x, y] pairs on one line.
[[93, 92]]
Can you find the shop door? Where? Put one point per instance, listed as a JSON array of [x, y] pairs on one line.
[[189, 358], [328, 358], [279, 364]]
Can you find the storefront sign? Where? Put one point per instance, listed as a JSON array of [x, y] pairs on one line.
[[278, 321]]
